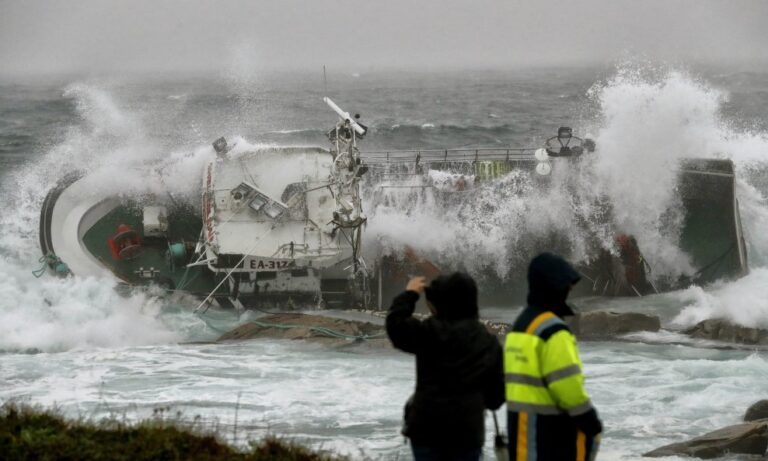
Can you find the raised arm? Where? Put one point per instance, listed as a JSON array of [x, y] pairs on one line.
[[406, 332]]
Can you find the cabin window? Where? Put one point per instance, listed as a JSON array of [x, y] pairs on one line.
[[274, 210], [258, 203]]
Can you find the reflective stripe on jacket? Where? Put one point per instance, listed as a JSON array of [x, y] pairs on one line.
[[543, 369], [545, 392]]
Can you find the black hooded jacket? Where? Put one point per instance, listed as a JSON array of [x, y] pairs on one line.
[[459, 365], [550, 279]]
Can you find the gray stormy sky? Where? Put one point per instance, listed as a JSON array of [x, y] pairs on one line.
[[101, 36]]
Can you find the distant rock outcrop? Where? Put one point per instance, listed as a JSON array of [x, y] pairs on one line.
[[607, 325], [326, 330], [758, 410], [723, 330], [746, 438]]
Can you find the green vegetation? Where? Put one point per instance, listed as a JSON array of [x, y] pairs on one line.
[[29, 433]]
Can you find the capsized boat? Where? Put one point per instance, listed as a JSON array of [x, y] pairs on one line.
[[710, 232], [275, 225]]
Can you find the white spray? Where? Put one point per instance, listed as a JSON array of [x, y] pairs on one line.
[[52, 314], [647, 123]]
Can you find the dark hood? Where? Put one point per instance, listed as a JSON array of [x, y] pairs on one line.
[[454, 296], [550, 278]]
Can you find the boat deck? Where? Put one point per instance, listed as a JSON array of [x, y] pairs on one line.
[[183, 227]]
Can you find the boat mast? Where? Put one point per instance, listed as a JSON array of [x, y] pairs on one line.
[[347, 170]]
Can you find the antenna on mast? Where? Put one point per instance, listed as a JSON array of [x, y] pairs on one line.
[[325, 81]]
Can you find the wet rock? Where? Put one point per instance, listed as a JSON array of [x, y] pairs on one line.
[[758, 410], [326, 330], [723, 330], [605, 324], [746, 438]]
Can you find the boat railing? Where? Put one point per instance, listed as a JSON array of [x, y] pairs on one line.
[[509, 155]]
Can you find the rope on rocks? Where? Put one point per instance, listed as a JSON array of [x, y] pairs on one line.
[[39, 272]]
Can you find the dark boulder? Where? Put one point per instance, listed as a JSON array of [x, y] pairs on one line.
[[723, 330], [316, 328], [746, 438], [758, 410], [607, 325]]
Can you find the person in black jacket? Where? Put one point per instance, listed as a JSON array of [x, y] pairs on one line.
[[459, 368]]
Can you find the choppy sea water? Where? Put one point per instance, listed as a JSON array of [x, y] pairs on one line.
[[80, 346], [351, 401]]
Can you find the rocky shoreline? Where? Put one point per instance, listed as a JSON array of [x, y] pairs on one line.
[[723, 330], [326, 330], [599, 325], [747, 438]]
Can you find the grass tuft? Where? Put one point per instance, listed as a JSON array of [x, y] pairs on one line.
[[32, 433]]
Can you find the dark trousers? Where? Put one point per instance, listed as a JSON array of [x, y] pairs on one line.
[[445, 454], [547, 438]]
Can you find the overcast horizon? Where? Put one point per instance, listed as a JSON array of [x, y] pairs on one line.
[[174, 37]]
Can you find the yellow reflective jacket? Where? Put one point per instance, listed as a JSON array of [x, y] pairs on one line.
[[545, 391], [543, 369]]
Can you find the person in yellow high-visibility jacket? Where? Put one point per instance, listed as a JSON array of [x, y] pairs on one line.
[[550, 416]]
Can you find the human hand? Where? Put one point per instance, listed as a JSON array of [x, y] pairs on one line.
[[416, 284]]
